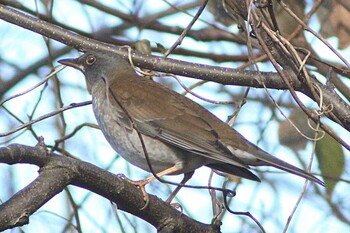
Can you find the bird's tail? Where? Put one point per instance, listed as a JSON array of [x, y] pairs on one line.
[[277, 163]]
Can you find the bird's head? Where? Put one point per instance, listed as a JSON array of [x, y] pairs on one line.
[[96, 65]]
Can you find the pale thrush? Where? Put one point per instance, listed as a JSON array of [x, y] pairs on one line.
[[140, 118]]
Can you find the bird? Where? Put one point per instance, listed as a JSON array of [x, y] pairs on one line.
[[162, 131]]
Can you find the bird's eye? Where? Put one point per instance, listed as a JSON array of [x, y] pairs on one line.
[[90, 60]]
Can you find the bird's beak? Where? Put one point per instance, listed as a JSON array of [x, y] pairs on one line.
[[72, 63]]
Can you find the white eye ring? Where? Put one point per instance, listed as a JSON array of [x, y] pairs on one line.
[[91, 59]]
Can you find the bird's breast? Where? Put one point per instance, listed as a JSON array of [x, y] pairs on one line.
[[117, 128]]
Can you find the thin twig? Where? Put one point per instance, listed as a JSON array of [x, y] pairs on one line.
[[43, 117], [187, 29], [33, 87]]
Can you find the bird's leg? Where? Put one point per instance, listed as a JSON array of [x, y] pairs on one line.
[[142, 183], [187, 176]]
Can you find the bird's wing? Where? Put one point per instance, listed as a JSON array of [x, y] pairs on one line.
[[175, 121]]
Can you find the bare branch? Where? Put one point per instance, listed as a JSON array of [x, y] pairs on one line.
[[56, 172]]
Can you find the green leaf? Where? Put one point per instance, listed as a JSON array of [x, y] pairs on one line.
[[330, 156]]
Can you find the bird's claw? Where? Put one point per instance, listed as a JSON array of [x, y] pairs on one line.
[[141, 184]]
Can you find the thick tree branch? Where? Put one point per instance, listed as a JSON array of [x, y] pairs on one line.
[[210, 73], [56, 172]]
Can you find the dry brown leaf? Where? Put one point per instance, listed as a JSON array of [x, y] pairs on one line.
[[289, 136], [335, 21]]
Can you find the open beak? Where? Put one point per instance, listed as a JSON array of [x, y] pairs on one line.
[[72, 63]]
